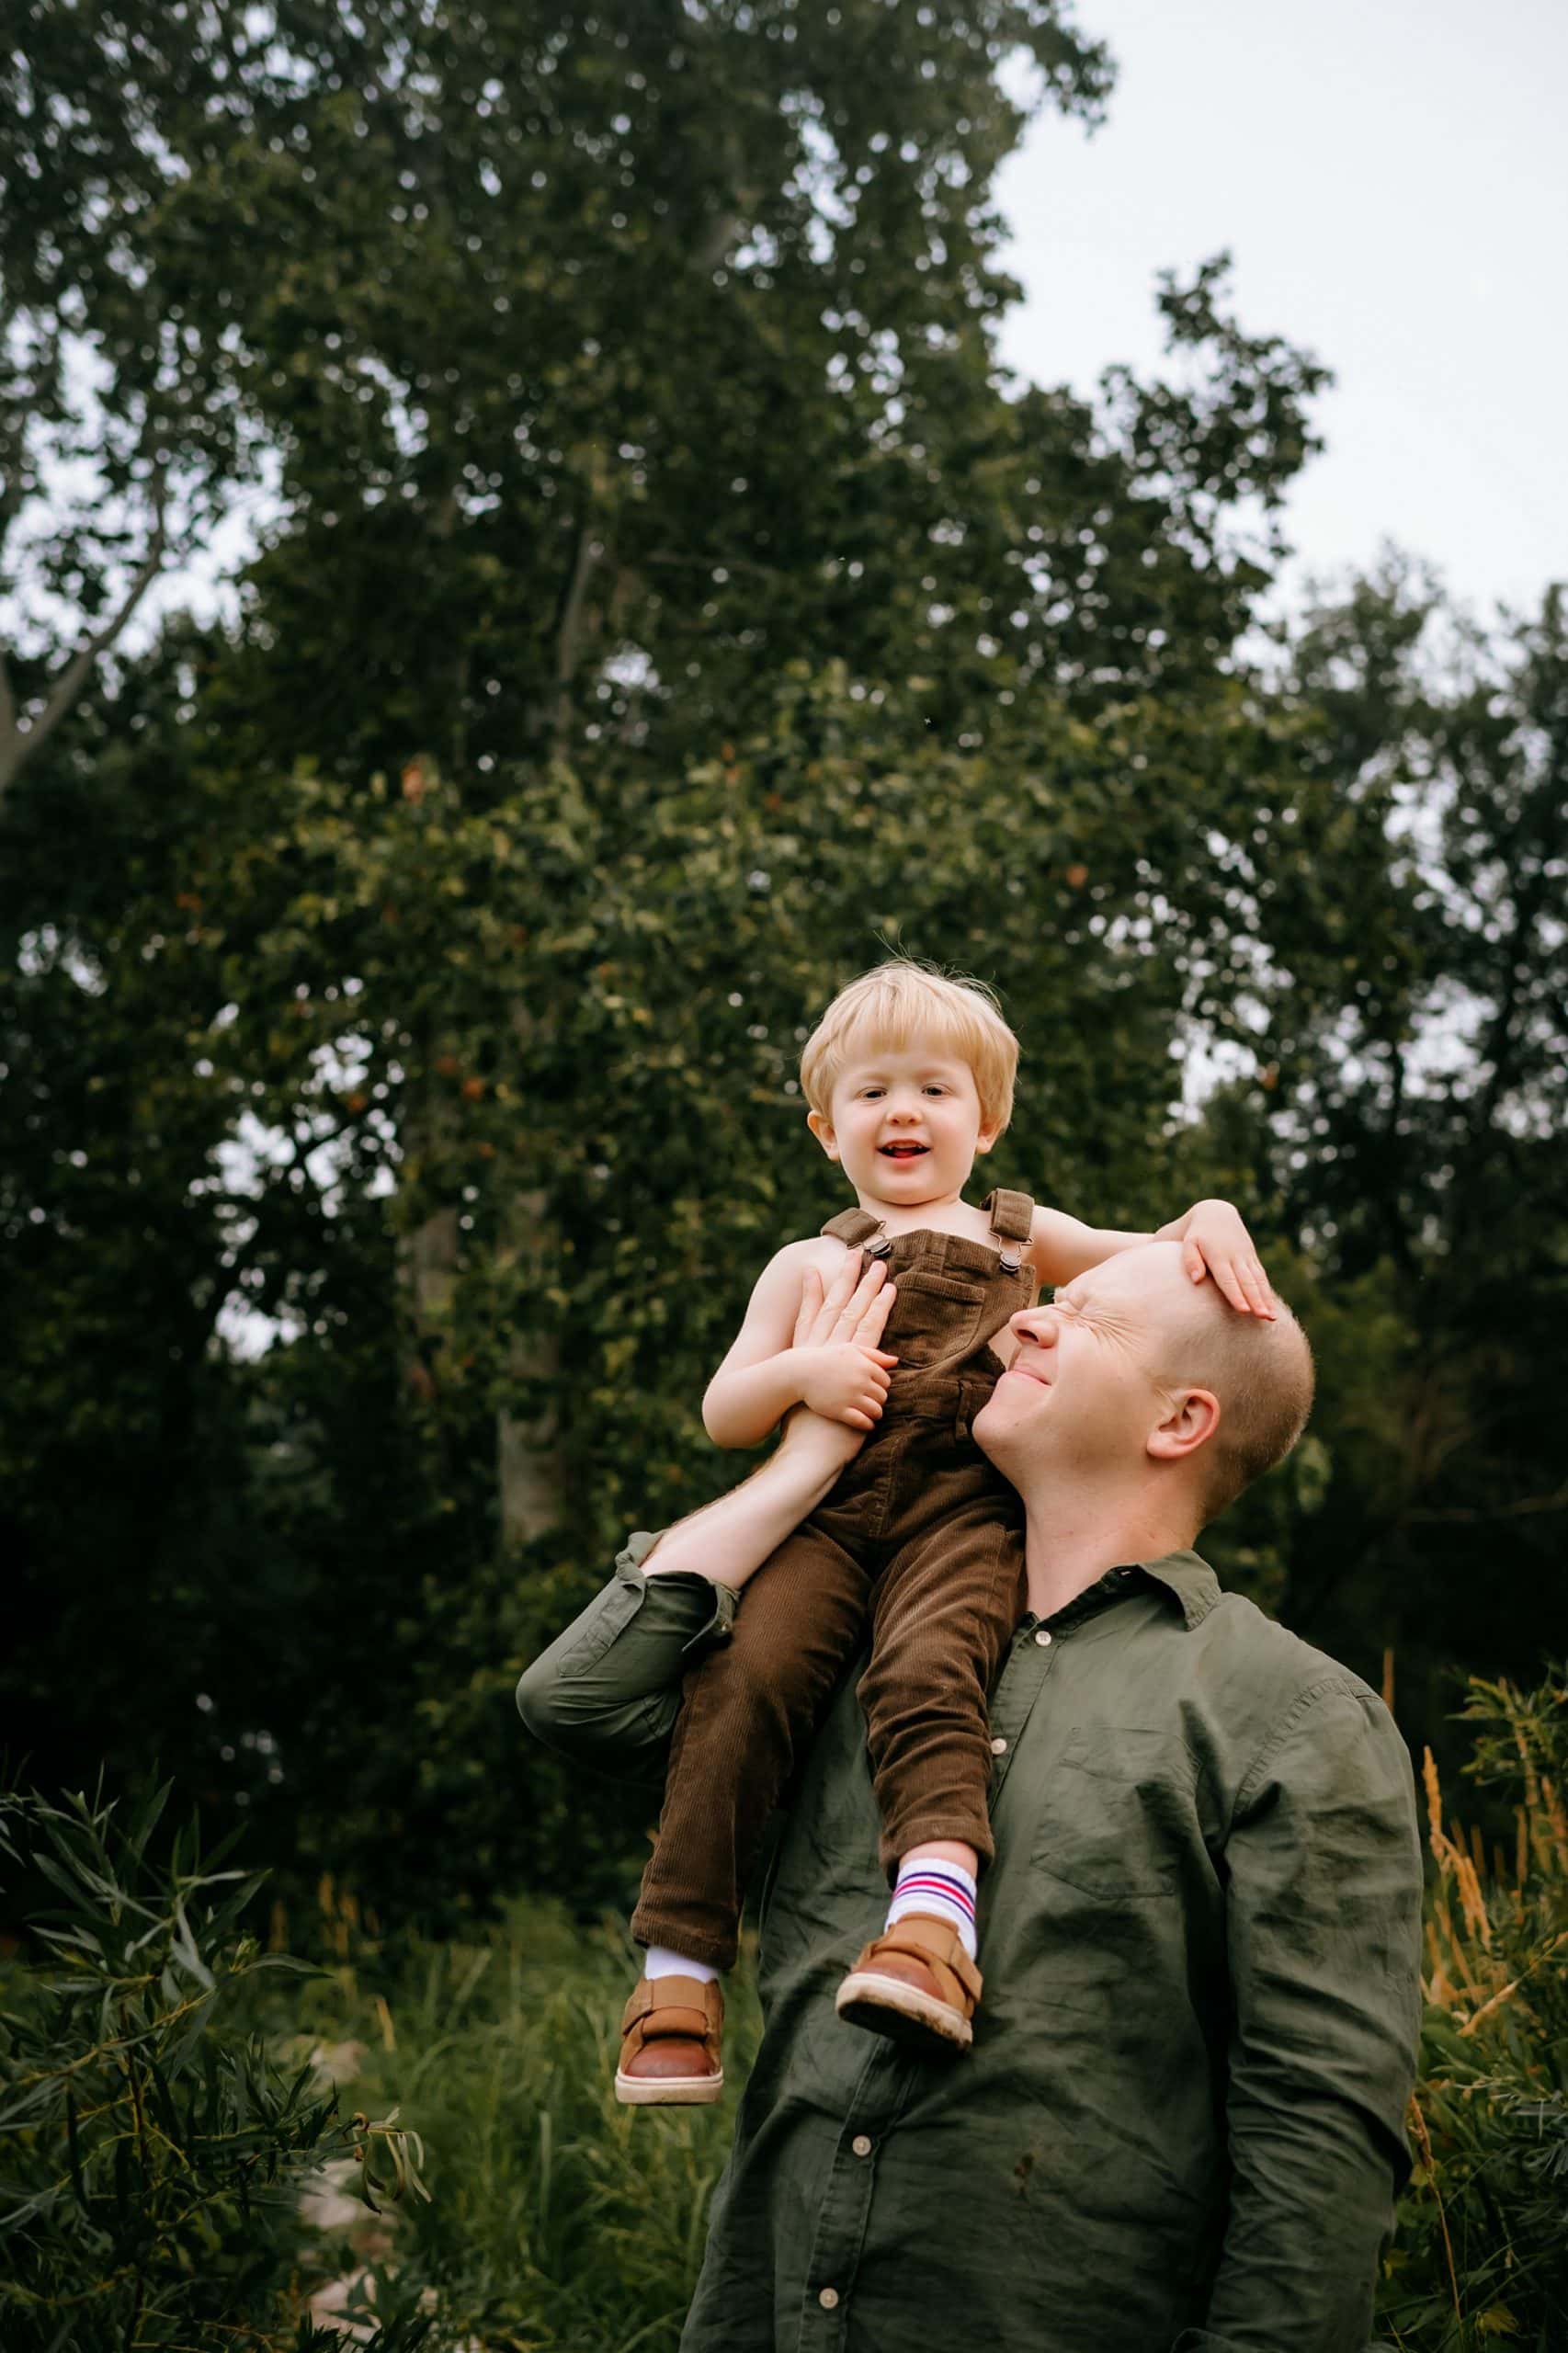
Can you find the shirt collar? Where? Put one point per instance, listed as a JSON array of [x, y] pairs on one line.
[[1189, 1580]]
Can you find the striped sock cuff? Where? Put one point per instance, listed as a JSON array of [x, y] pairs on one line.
[[944, 1891]]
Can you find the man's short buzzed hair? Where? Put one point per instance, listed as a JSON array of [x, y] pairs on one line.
[[1261, 1374]]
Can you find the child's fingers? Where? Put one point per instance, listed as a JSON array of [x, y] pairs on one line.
[[1259, 1291], [883, 1359], [1230, 1285], [1193, 1261]]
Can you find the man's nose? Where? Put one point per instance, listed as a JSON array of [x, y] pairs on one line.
[[1035, 1325]]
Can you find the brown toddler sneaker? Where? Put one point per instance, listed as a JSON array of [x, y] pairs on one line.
[[670, 2030], [916, 1983]]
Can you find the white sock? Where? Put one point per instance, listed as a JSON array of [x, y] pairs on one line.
[[658, 1961], [943, 1890]]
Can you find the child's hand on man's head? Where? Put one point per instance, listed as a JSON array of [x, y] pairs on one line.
[[1214, 1241]]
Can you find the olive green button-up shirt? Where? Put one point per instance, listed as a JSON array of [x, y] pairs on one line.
[[1180, 2126]]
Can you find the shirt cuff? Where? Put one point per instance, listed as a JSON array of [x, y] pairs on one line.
[[698, 1607]]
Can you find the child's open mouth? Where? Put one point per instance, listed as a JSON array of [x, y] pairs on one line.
[[903, 1151]]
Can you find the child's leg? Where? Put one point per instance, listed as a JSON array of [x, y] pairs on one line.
[[748, 1708], [943, 1613]]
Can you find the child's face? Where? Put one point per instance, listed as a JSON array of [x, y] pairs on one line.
[[906, 1125]]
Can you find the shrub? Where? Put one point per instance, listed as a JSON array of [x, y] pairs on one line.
[[559, 2220], [152, 2151], [1480, 2255]]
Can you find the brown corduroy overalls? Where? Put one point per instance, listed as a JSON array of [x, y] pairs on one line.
[[920, 1530]]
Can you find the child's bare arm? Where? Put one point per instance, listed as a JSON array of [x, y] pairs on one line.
[[763, 1375], [1214, 1242]]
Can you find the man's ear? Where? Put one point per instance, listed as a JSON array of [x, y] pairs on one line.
[[821, 1128], [1191, 1421]]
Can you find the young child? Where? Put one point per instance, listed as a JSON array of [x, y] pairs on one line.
[[908, 1078]]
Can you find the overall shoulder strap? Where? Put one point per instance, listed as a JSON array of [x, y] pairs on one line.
[[1011, 1215], [1012, 1218], [855, 1227]]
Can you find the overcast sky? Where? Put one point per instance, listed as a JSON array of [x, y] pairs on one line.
[[1392, 177]]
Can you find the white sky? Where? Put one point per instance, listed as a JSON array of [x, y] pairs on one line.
[[1392, 178]]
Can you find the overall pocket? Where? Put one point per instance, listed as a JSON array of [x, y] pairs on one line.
[[934, 1315]]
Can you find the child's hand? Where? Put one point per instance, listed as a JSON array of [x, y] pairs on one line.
[[845, 1382], [844, 1373], [1214, 1241]]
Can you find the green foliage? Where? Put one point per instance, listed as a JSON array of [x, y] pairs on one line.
[[1481, 2251], [152, 2151], [559, 2220]]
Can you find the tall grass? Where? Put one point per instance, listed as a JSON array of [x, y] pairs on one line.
[[560, 2222], [1480, 2257]]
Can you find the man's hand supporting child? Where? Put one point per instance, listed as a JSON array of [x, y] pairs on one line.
[[843, 1376], [733, 1536]]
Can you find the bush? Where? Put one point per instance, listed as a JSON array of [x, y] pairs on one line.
[[1480, 2255], [152, 2152], [559, 2221]]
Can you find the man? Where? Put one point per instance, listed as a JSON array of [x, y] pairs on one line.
[[1179, 2126]]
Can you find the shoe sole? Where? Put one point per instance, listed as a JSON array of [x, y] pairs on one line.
[[668, 2091], [888, 2006]]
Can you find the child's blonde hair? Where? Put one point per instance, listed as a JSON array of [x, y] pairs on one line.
[[895, 1004]]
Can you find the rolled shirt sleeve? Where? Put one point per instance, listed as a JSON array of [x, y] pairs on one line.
[[1324, 1924], [608, 1691]]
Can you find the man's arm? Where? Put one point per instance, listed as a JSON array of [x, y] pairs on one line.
[[608, 1691], [1324, 1928]]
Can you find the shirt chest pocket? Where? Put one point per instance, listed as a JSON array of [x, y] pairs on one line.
[[1115, 1814]]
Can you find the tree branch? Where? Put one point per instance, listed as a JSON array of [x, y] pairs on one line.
[[18, 745], [568, 640]]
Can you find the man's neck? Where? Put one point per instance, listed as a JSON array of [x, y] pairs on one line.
[[1069, 1542]]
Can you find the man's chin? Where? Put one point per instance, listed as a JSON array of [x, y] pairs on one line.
[[994, 1430], [1004, 1423]]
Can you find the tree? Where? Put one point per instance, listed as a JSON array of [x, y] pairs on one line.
[[665, 605], [1405, 1037]]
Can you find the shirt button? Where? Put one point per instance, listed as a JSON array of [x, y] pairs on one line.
[[861, 2144], [827, 2297], [1044, 1636], [998, 1747]]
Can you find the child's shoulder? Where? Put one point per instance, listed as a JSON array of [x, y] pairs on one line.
[[819, 1250]]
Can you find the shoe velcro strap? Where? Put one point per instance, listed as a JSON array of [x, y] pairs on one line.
[[669, 2018], [924, 1938], [673, 2005]]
